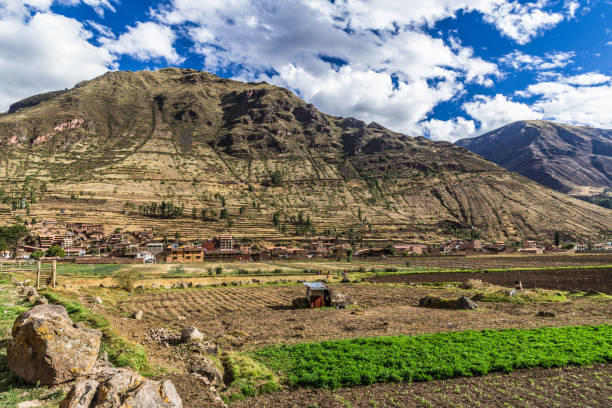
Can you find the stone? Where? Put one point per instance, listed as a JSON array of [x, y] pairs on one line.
[[512, 292], [154, 286], [81, 395], [122, 388], [138, 315], [208, 370], [542, 313], [47, 348], [97, 300], [31, 404], [41, 301], [465, 302], [30, 291], [190, 333]]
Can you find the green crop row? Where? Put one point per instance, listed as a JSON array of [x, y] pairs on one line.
[[361, 361]]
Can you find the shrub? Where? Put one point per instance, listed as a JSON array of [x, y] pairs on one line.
[[126, 279], [177, 269], [218, 270]]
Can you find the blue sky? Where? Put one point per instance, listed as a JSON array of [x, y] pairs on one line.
[[446, 69]]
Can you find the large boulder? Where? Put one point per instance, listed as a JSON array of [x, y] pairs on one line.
[[122, 388], [190, 333], [207, 369], [465, 302], [47, 348], [437, 302]]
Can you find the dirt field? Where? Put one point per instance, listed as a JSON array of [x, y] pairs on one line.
[[561, 387], [584, 280], [248, 317]]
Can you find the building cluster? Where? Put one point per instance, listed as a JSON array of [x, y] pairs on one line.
[[83, 241]]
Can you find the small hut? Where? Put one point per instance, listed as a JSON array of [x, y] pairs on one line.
[[317, 294]]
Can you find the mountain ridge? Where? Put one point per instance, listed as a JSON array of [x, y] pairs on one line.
[[191, 137], [570, 159]]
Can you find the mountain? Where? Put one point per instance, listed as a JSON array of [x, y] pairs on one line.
[[278, 166], [571, 159]]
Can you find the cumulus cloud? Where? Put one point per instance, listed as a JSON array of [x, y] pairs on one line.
[[44, 51], [552, 60], [449, 130], [495, 111], [522, 22], [145, 41]]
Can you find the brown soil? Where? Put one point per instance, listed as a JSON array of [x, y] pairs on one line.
[[248, 317], [561, 387], [584, 280]]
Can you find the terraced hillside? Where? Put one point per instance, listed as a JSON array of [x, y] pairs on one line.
[[125, 139]]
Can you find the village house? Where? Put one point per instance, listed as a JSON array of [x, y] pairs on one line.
[[226, 243], [528, 244], [74, 252], [147, 257], [581, 247], [183, 254], [410, 249], [6, 255], [602, 246], [322, 249], [155, 248]]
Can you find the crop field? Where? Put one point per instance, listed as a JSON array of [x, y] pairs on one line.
[[382, 350], [248, 317], [578, 279], [363, 361]]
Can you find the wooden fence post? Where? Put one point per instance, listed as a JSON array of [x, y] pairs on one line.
[[53, 273], [38, 275]]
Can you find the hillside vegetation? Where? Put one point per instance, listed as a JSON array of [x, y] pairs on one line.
[[233, 154]]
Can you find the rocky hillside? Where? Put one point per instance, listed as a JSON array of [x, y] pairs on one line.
[[126, 139], [570, 159]]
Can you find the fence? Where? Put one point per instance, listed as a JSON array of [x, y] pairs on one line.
[[46, 271]]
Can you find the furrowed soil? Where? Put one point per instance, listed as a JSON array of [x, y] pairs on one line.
[[559, 387], [582, 279], [243, 318]]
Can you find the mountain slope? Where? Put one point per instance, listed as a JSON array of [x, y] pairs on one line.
[[112, 144], [569, 159]]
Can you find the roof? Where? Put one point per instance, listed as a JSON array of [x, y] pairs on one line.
[[315, 285]]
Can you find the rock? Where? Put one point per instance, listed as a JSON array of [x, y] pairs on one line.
[[542, 313], [512, 292], [437, 302], [81, 395], [32, 299], [97, 300], [122, 388], [465, 302], [345, 280], [30, 404], [154, 286], [47, 348], [41, 301], [190, 333], [338, 299], [137, 315], [30, 291], [208, 370]]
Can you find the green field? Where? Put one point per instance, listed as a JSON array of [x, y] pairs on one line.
[[362, 361]]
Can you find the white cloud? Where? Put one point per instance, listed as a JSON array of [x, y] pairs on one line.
[[580, 100], [552, 60], [449, 130], [145, 41], [44, 52], [522, 22], [571, 8], [493, 112]]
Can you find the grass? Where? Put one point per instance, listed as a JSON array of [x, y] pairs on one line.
[[121, 352], [249, 377], [362, 361], [12, 389], [87, 270]]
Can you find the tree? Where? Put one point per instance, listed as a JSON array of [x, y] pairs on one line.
[[55, 251], [224, 214], [349, 255], [194, 213], [37, 254], [10, 237], [241, 211], [557, 238], [276, 177]]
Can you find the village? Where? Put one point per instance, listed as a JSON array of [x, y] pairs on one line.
[[88, 243]]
